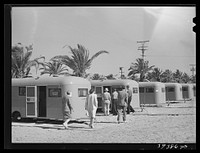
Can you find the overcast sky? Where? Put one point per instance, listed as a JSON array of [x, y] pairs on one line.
[[172, 43]]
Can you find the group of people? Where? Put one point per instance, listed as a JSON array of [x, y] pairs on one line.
[[120, 100]]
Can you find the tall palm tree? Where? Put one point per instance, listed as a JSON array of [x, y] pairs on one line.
[[167, 76], [54, 67], [155, 75], [186, 78], [79, 62], [178, 76], [97, 76], [111, 77], [21, 63], [140, 67]]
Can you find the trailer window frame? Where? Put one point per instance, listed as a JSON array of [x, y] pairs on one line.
[[170, 89], [185, 89], [149, 90], [54, 89], [22, 91], [82, 92], [141, 89], [135, 90]]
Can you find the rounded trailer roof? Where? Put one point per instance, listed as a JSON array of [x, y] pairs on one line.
[[186, 84], [113, 82], [167, 84], [150, 84], [43, 81]]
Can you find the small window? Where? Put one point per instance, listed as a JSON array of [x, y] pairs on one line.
[[22, 91], [82, 92], [180, 89], [149, 90], [163, 89], [98, 90], [141, 89], [54, 92], [135, 90], [185, 89], [170, 89]]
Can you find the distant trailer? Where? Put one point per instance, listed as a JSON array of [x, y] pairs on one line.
[[116, 84], [42, 97], [173, 92], [188, 91], [194, 89], [152, 93]]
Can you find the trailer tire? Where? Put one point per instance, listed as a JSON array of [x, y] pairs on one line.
[[16, 116]]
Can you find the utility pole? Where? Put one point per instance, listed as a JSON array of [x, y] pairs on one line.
[[121, 72], [142, 47], [193, 68]]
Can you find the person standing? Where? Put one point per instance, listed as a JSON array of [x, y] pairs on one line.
[[91, 106], [114, 102], [122, 104], [129, 107], [67, 109], [106, 100]]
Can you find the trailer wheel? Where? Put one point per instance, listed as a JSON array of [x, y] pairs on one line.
[[16, 116]]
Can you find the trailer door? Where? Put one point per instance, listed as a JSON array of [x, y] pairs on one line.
[[99, 91], [31, 101]]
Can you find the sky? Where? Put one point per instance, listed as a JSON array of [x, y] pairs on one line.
[[172, 43]]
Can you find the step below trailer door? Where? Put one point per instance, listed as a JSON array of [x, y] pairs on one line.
[[31, 101]]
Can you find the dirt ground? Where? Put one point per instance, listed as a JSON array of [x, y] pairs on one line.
[[175, 123]]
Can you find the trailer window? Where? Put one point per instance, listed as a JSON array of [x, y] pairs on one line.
[[163, 89], [185, 89], [170, 89], [98, 90], [54, 92], [141, 89], [22, 91], [149, 90], [135, 90], [82, 92]]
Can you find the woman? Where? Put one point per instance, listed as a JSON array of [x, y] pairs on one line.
[[91, 106], [67, 109]]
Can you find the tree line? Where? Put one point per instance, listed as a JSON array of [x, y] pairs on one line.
[[80, 61]]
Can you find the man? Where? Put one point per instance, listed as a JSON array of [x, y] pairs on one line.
[[67, 109], [91, 106], [114, 102], [106, 100], [122, 104], [129, 107]]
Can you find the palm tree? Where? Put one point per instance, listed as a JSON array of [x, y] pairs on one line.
[[140, 67], [193, 78], [178, 76], [155, 75], [21, 63], [54, 67], [111, 77], [79, 62], [186, 78], [167, 76], [97, 76]]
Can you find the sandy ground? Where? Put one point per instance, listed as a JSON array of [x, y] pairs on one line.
[[175, 123]]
